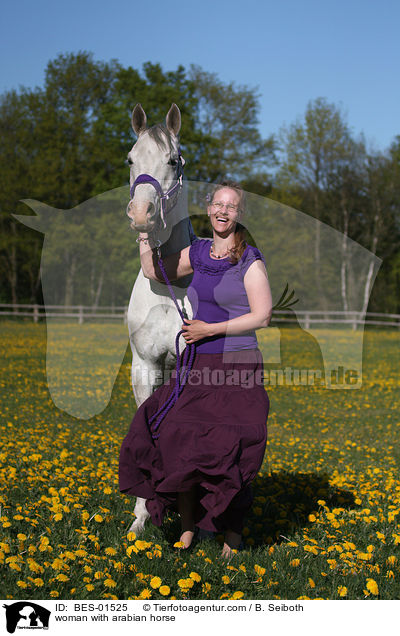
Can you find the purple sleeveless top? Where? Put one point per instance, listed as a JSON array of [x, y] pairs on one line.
[[217, 293]]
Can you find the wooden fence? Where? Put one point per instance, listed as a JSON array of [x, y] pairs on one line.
[[83, 313]]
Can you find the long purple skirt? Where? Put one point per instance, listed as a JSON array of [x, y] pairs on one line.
[[213, 438]]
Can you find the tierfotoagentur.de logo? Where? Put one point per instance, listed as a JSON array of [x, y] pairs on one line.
[[26, 615]]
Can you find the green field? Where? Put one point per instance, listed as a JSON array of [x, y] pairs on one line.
[[325, 521]]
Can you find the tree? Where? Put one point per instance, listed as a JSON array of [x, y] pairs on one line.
[[228, 118], [317, 155]]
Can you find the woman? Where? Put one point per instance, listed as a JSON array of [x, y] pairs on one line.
[[212, 441]]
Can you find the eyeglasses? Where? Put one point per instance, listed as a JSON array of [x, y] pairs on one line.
[[218, 205]]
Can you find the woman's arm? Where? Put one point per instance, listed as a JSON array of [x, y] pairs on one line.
[[175, 265], [260, 301]]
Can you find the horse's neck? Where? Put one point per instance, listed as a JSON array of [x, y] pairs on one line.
[[181, 234]]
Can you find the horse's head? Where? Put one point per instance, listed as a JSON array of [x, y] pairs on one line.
[[155, 168]]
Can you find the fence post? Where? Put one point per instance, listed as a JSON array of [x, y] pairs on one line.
[[126, 316], [307, 321], [35, 313], [80, 319]]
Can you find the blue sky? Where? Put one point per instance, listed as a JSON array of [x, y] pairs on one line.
[[290, 52]]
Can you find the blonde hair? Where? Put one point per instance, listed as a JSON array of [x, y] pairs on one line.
[[240, 244]]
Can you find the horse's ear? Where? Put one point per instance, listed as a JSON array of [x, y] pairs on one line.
[[173, 120], [139, 119]]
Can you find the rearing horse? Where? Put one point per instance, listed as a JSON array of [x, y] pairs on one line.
[[158, 206]]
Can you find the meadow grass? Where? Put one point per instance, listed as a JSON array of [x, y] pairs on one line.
[[324, 524]]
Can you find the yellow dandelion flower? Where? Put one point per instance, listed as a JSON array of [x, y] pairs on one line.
[[259, 570], [237, 595], [243, 568], [179, 544], [131, 536], [130, 549], [54, 593], [185, 584], [35, 567], [57, 564], [342, 590], [226, 579], [196, 577], [206, 587], [311, 583], [310, 548], [21, 536], [98, 575], [391, 560], [390, 574], [107, 490], [98, 518], [146, 593], [155, 582], [14, 566], [110, 551], [312, 518], [38, 582], [109, 583], [62, 578], [372, 587], [295, 563], [22, 584], [142, 545], [89, 587], [58, 516]]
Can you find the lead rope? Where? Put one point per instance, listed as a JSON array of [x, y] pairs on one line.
[[189, 351]]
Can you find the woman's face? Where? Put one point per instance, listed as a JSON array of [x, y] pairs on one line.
[[224, 210]]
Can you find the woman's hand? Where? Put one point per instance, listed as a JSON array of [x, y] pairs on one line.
[[195, 330]]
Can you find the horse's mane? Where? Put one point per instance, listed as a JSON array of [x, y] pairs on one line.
[[159, 133]]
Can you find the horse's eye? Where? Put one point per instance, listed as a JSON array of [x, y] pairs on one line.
[[173, 161]]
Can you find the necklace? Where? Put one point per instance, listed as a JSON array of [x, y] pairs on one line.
[[216, 255]]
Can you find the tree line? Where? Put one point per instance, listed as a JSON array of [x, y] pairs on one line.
[[67, 141]]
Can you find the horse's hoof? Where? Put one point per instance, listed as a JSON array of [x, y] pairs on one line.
[[137, 528]]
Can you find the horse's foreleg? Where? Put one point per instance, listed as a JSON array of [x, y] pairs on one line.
[[144, 379], [141, 514]]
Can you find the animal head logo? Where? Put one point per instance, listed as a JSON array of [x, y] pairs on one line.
[[25, 615]]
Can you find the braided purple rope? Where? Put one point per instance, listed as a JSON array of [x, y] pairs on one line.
[[179, 381]]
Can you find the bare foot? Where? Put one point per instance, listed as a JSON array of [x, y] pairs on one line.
[[232, 542], [187, 538]]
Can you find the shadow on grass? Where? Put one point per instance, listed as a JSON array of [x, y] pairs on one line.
[[283, 501]]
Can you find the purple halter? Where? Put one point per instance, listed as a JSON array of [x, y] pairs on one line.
[[164, 196]]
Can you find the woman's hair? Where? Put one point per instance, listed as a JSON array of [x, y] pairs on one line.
[[240, 244]]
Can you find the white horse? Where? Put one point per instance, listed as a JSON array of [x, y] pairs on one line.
[[153, 320]]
